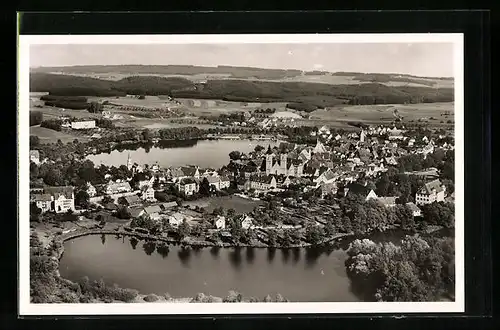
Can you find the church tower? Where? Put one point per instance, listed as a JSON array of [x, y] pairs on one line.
[[269, 163], [283, 165], [129, 162], [362, 136]]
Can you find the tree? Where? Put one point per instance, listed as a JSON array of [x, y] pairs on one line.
[[204, 187], [82, 199], [272, 237], [258, 148], [330, 229], [35, 212], [123, 213], [95, 107], [183, 230], [146, 135], [34, 141], [234, 155], [313, 234], [107, 199]]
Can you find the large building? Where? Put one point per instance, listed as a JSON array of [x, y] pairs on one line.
[[433, 191], [57, 199], [281, 164], [88, 124]]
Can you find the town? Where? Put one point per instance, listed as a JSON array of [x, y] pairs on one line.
[[300, 193]]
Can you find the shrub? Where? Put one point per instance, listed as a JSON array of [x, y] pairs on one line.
[[151, 298], [36, 118]]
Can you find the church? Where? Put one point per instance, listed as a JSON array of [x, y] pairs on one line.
[[281, 164]]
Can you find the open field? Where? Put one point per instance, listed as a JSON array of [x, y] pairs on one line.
[[239, 204], [47, 135], [384, 113]]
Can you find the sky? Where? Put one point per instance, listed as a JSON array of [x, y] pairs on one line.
[[421, 59]]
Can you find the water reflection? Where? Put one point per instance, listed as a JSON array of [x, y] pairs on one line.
[[133, 242], [285, 255], [250, 255], [197, 250], [296, 255], [312, 255], [214, 251], [271, 252], [163, 250], [184, 255], [103, 239], [149, 247], [235, 258]]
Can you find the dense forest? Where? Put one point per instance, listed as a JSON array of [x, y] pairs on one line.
[[233, 71], [299, 94]]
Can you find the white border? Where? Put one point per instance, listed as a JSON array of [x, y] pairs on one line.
[[26, 308]]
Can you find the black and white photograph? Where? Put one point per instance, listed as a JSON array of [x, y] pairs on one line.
[[279, 173]]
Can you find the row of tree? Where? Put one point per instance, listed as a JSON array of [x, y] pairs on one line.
[[416, 270]]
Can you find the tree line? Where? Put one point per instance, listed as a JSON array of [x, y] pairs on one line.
[[418, 269]]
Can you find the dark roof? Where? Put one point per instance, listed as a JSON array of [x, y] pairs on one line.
[[131, 200], [263, 179], [187, 181], [188, 170], [58, 191], [430, 186], [357, 188]]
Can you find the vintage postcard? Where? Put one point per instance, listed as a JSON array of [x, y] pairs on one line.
[[239, 174]]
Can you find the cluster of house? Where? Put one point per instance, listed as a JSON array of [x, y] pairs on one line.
[[55, 199], [77, 124]]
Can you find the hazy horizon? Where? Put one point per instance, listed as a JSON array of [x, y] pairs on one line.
[[418, 59]]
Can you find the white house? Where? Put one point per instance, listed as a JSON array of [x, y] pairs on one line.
[[433, 191], [175, 219], [148, 194], [88, 124], [91, 191], [414, 209], [43, 202], [117, 187], [224, 182], [246, 222], [187, 186], [220, 222], [62, 198], [35, 156], [151, 211]]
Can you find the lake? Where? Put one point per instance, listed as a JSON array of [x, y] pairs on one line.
[[301, 275], [298, 274], [204, 153]]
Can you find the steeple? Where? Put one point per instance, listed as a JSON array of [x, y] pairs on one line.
[[129, 162]]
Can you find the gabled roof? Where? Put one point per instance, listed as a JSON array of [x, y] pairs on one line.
[[390, 200], [177, 173], [132, 200], [263, 179], [57, 192], [42, 198], [116, 185], [188, 170], [168, 205], [187, 181], [357, 188], [430, 186], [413, 207], [152, 209], [212, 179]]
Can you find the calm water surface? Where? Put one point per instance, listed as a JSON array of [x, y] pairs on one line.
[[312, 274], [204, 153], [298, 274]]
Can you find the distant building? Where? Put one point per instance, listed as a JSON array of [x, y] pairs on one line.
[[414, 209], [263, 183], [57, 199], [356, 188], [88, 124], [187, 186], [433, 191], [117, 187], [220, 222], [131, 200], [91, 191], [35, 156], [153, 212], [148, 194]]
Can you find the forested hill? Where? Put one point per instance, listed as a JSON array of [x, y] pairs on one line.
[[315, 94]]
